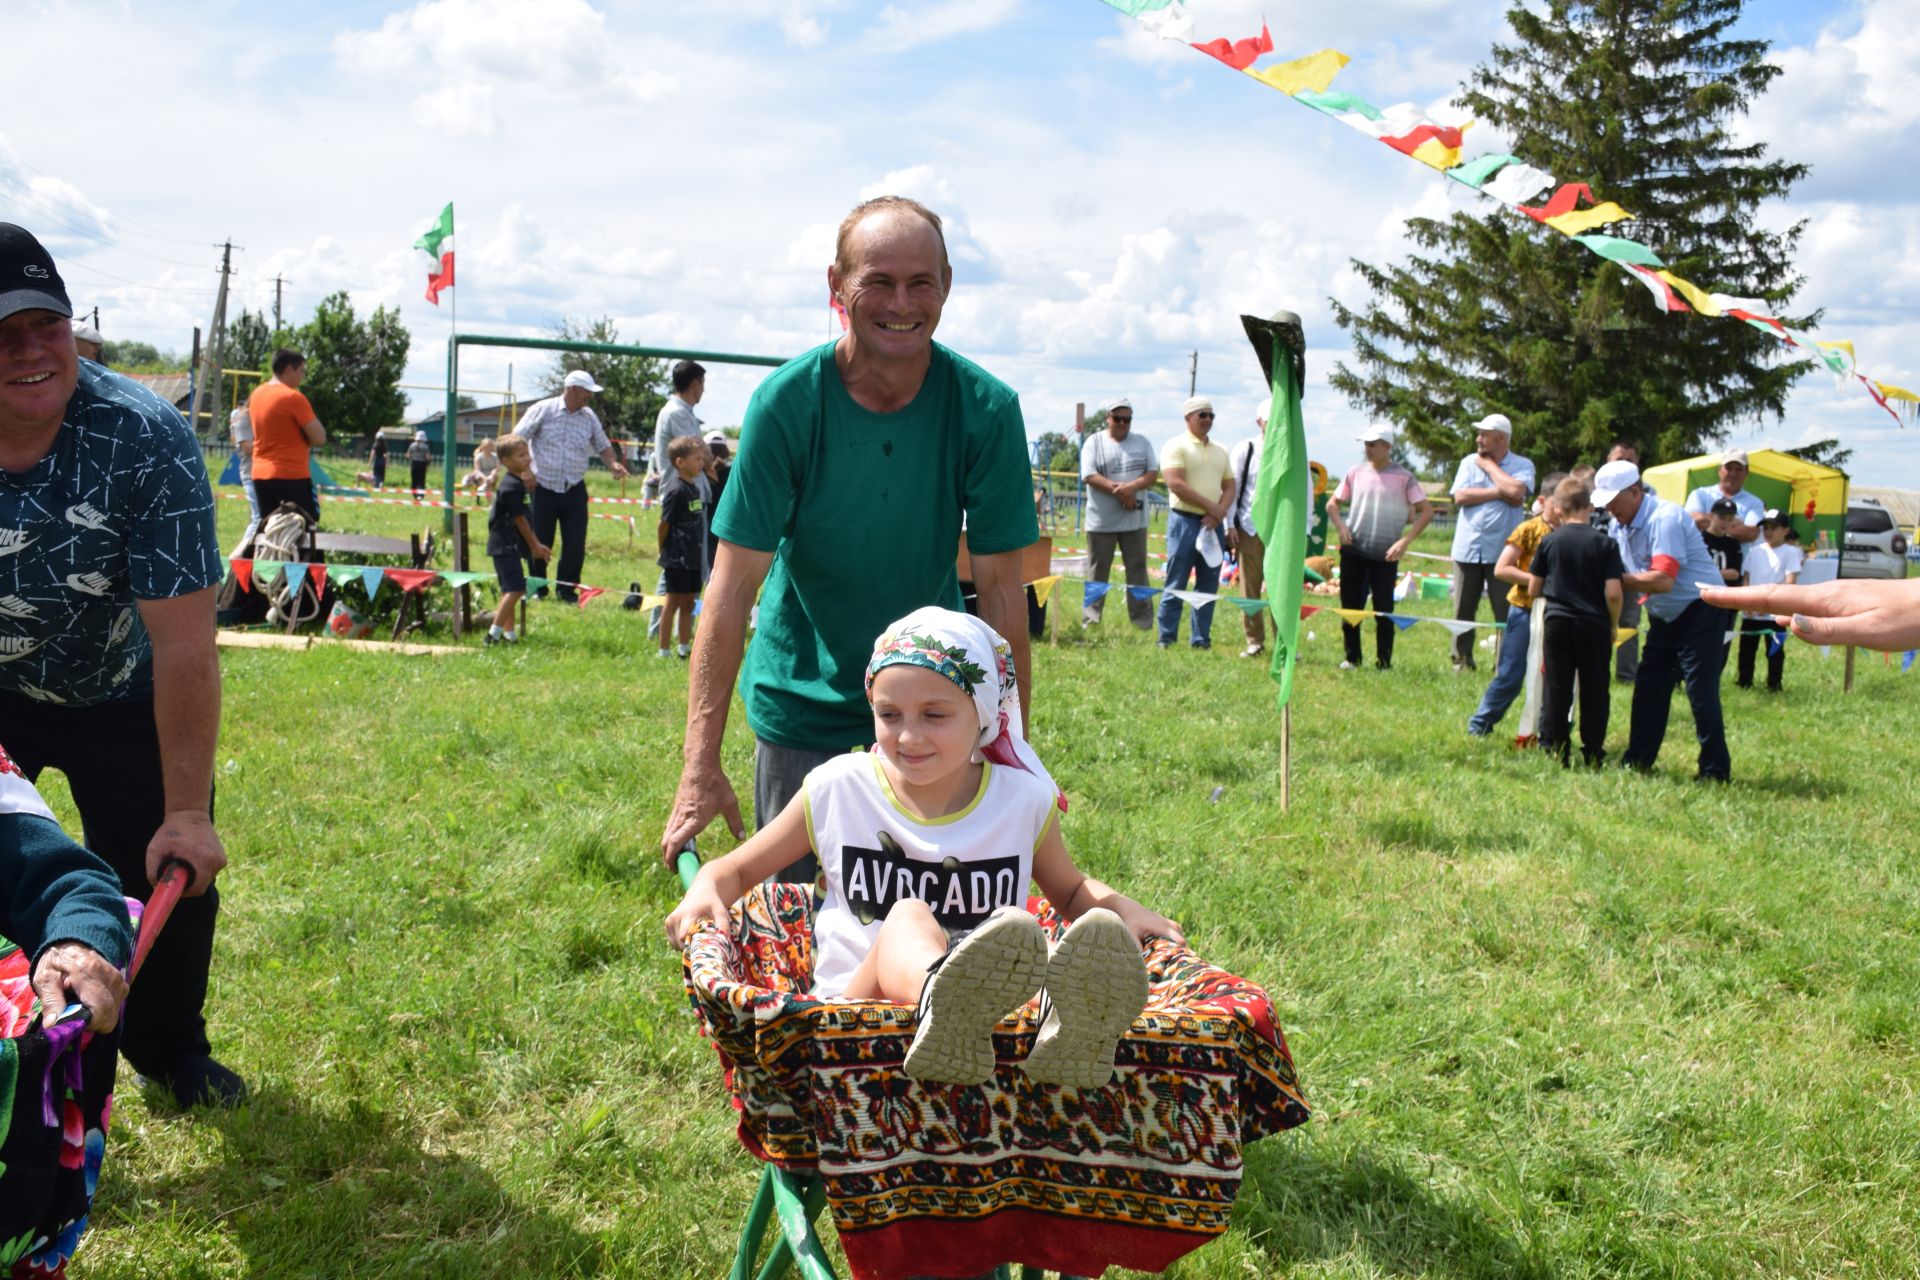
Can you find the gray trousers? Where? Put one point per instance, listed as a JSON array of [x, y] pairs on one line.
[[777, 775], [1626, 659], [1133, 555]]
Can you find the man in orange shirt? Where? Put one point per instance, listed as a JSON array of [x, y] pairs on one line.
[[284, 429]]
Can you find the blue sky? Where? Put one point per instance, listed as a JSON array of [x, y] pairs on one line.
[[1115, 203]]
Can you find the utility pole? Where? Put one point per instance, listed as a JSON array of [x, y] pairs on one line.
[[276, 304], [96, 317], [1193, 375], [206, 383]]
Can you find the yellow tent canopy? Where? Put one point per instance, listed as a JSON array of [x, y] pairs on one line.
[[1815, 495]]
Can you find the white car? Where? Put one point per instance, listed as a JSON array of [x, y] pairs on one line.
[[1875, 547]]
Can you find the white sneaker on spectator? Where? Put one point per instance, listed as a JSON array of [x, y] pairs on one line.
[[1347, 666]]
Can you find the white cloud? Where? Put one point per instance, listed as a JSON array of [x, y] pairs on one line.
[[511, 47], [61, 216], [902, 28], [803, 30]]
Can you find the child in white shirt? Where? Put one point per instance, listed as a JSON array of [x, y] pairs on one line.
[[927, 844]]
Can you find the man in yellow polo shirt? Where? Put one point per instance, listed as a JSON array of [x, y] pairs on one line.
[[1200, 493]]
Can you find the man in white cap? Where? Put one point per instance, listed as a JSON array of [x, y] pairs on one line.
[[1374, 536], [564, 434], [1490, 490], [87, 341], [1118, 468], [1667, 562], [1626, 659], [1732, 487], [1200, 488]]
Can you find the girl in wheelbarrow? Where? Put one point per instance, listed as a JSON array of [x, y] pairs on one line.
[[61, 906], [927, 845]]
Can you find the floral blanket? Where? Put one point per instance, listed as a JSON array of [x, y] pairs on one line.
[[1137, 1173], [56, 1098]]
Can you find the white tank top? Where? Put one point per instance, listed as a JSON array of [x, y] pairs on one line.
[[874, 853], [17, 795]]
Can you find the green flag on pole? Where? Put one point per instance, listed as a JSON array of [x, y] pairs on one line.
[[1283, 490]]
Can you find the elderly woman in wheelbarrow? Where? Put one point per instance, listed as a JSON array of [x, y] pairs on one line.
[[62, 906]]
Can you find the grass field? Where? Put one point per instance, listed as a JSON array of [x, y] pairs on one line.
[[1552, 1024]]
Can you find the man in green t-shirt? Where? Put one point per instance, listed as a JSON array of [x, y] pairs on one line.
[[857, 463]]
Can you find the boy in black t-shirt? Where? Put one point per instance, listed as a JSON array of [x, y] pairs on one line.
[[1722, 519], [1577, 571], [683, 537], [509, 534]]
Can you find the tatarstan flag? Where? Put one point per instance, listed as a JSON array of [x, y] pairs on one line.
[[437, 244]]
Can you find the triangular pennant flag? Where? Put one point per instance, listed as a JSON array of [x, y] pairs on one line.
[[1247, 605], [538, 584], [696, 607], [267, 572], [1517, 183], [1906, 663], [242, 572], [1352, 617], [1095, 591], [411, 579], [1776, 642], [1239, 54], [1702, 300], [319, 575], [588, 593], [462, 577], [1455, 626], [1308, 610], [1619, 249], [1623, 634], [370, 577], [1663, 295], [1197, 599], [1403, 621], [1043, 588], [292, 571], [1474, 173], [1143, 593], [1315, 71], [341, 574], [646, 602], [1873, 389], [1169, 22]]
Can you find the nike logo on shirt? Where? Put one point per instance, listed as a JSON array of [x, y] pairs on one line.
[[92, 584], [14, 541], [87, 517]]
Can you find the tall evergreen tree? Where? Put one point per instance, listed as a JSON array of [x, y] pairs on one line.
[[1492, 313]]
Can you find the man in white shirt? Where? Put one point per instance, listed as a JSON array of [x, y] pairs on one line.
[[1733, 487], [564, 434], [1118, 467]]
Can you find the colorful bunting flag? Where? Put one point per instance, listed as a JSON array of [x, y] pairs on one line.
[[1517, 183], [341, 574], [1702, 300], [1663, 295], [461, 577], [535, 584], [1313, 72], [1042, 589], [1906, 663], [582, 594], [1238, 54], [437, 244], [1143, 593], [370, 578], [1095, 591], [242, 573], [1617, 249]]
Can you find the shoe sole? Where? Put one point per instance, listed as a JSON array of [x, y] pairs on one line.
[[1097, 982], [995, 969]]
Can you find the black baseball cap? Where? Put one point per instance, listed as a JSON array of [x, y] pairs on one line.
[[28, 279]]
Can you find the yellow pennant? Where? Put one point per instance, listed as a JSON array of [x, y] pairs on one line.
[[1043, 587], [1623, 634], [1315, 71], [1353, 617], [1702, 300], [1892, 392], [1842, 346], [1438, 154], [1581, 221]]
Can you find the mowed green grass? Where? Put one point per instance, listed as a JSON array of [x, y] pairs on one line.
[[1552, 1024]]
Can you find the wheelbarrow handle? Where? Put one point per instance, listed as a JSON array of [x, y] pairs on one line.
[[176, 877], [687, 864]]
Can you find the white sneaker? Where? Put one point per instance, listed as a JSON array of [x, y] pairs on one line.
[[1346, 666], [1097, 986], [664, 653], [990, 973]]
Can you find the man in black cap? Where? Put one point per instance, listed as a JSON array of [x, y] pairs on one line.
[[108, 673]]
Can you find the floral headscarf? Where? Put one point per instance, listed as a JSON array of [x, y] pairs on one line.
[[973, 655]]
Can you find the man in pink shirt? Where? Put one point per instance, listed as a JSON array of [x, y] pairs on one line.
[[1380, 498]]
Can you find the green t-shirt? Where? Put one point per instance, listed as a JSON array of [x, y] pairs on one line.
[[862, 514]]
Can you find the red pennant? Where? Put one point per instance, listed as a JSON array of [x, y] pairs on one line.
[[1308, 610], [839, 309], [318, 572], [1565, 200], [588, 593], [1774, 324], [242, 573], [411, 579], [1877, 397], [1449, 135], [1239, 54]]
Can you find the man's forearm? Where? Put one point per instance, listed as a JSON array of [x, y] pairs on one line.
[[1474, 497], [1003, 606], [186, 716], [1423, 516]]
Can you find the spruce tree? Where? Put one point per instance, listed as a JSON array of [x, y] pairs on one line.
[[1493, 313]]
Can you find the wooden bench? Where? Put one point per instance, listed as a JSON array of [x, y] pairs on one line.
[[416, 549]]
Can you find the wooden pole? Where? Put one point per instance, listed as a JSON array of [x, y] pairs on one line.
[[1847, 687], [1286, 757], [462, 596]]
